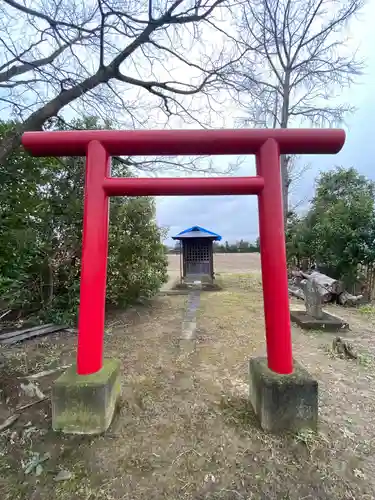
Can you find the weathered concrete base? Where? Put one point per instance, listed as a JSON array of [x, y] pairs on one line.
[[328, 322], [283, 402], [85, 404]]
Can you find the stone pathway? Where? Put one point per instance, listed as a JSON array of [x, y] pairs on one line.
[[189, 324]]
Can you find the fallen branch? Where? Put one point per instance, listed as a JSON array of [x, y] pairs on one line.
[[28, 405], [5, 313], [347, 299], [9, 422], [329, 289], [44, 373]]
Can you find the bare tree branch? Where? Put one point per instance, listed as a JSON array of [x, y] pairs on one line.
[[158, 165], [297, 63], [130, 61], [25, 67], [38, 14]]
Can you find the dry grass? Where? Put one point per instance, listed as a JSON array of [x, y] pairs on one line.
[[225, 263], [185, 429]]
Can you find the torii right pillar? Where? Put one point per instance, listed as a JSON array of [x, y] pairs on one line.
[[283, 394]]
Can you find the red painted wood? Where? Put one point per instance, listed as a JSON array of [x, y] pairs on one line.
[[170, 186], [183, 142], [266, 144], [93, 262], [273, 260]]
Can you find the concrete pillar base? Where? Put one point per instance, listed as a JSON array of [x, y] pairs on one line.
[[85, 404], [283, 402]]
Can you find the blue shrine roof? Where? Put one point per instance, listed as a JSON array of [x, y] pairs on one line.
[[196, 232]]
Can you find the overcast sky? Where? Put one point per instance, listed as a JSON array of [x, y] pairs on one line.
[[236, 217]]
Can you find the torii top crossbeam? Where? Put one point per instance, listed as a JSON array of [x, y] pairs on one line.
[[184, 142]]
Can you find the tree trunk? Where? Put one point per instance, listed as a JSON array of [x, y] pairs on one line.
[[347, 299], [327, 287], [47, 288], [284, 185], [37, 119], [284, 159]]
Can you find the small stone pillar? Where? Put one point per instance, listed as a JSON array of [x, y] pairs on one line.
[[313, 299]]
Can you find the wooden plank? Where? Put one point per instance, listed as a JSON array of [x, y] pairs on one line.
[[3, 314], [14, 333], [36, 333]]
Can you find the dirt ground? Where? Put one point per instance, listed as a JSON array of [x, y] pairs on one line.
[[223, 263], [184, 428]]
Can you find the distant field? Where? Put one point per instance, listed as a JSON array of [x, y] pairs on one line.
[[226, 262]]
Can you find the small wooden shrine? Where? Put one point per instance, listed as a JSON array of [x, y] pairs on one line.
[[196, 254]]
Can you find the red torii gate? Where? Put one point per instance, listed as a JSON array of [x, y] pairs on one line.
[[266, 144]]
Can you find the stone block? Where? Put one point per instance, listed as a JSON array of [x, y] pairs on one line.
[[313, 299], [283, 402], [85, 404], [327, 322]]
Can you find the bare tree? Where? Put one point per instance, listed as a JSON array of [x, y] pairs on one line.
[[130, 59], [297, 62]]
